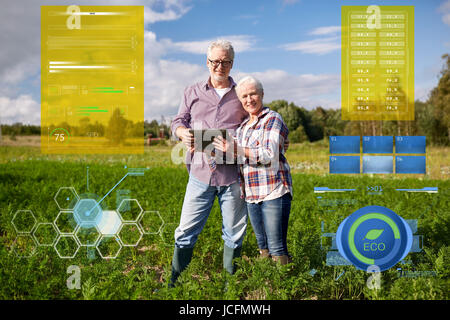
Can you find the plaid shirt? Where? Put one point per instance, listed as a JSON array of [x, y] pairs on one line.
[[266, 166]]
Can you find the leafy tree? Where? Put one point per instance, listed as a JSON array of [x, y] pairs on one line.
[[117, 126], [298, 135], [276, 105], [315, 122], [291, 116], [440, 100], [334, 125], [425, 120]]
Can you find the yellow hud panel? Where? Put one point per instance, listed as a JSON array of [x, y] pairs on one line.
[[377, 62], [92, 79]]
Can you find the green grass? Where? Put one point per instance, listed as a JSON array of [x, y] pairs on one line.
[[29, 181]]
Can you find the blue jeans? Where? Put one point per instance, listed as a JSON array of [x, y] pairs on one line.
[[270, 223], [198, 201]]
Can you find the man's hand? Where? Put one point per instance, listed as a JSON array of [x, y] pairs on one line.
[[186, 137]]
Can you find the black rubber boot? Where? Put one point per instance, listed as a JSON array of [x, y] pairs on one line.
[[228, 257], [181, 259]]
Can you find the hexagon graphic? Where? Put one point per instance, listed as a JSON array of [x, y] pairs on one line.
[[24, 246], [130, 234], [109, 222], [88, 236], [109, 247], [23, 221], [151, 222], [45, 234], [87, 212], [65, 222], [66, 198], [130, 210], [66, 246], [167, 232]]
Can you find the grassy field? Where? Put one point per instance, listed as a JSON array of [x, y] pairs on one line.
[[29, 181]]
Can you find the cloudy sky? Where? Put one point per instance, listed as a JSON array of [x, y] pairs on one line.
[[292, 46]]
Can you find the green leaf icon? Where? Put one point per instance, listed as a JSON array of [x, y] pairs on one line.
[[373, 234]]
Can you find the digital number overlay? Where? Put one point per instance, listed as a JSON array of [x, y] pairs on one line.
[[377, 62]]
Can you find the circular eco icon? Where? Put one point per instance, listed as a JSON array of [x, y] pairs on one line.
[[374, 235]]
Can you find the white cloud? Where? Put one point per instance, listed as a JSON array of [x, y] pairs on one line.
[[20, 51], [18, 72], [240, 43], [445, 10], [319, 46], [308, 90], [164, 85], [422, 92], [20, 36], [446, 19], [21, 109], [321, 31], [172, 10], [445, 6], [165, 80]]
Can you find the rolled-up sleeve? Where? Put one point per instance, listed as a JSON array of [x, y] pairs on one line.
[[183, 118]]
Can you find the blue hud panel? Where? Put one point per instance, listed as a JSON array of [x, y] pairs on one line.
[[378, 164], [344, 144], [410, 164], [378, 144], [410, 144], [344, 164]]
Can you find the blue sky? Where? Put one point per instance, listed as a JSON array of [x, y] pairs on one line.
[[292, 46], [271, 24]]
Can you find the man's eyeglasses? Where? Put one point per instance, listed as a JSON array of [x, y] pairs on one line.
[[225, 63]]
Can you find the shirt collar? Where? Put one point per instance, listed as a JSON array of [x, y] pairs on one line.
[[263, 112], [207, 84]]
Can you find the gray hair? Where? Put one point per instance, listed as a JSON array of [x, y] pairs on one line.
[[250, 80], [224, 45]]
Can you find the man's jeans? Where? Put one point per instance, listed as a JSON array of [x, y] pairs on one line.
[[198, 201], [270, 223]]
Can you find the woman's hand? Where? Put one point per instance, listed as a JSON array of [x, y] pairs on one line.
[[223, 145]]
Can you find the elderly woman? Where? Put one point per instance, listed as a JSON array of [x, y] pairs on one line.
[[267, 182]]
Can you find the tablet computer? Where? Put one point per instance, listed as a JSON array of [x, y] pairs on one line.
[[203, 138]]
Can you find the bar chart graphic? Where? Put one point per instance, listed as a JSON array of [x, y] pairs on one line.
[[379, 155]]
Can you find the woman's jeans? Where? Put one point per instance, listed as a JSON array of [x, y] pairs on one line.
[[270, 223]]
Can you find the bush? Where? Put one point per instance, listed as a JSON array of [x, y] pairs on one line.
[[298, 135]]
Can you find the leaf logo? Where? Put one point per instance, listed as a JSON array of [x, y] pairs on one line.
[[373, 234]]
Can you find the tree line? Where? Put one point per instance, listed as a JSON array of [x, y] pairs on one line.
[[432, 119]]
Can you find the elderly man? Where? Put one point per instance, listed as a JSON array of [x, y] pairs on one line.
[[210, 104]]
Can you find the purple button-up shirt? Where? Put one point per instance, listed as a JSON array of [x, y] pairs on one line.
[[202, 108]]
